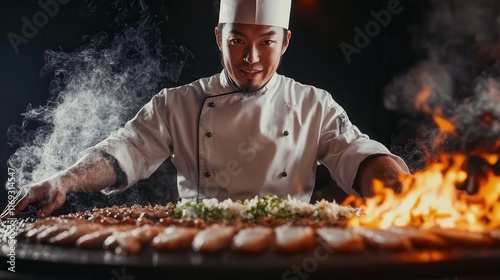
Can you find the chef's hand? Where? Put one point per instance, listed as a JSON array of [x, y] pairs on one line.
[[90, 174], [383, 168], [46, 193]]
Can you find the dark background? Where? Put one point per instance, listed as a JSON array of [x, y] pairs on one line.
[[314, 56]]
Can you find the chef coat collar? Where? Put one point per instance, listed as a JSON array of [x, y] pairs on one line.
[[226, 81]]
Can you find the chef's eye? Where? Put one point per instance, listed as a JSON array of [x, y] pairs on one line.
[[236, 41]]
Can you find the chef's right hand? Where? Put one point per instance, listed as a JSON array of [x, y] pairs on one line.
[[43, 193]]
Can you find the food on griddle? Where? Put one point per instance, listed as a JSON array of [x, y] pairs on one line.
[[45, 235], [384, 239], [123, 242], [341, 240], [131, 240], [145, 234], [294, 238], [213, 239], [95, 240], [252, 226], [30, 231], [69, 237], [253, 239], [174, 238]]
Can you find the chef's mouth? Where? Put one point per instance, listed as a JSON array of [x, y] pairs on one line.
[[250, 73]]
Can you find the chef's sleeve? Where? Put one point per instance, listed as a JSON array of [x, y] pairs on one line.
[[140, 146], [342, 147]]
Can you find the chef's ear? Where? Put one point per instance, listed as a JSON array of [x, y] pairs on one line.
[[286, 42], [218, 35]]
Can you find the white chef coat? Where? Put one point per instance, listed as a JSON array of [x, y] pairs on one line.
[[229, 144]]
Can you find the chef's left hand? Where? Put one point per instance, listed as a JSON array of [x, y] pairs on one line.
[[381, 167]]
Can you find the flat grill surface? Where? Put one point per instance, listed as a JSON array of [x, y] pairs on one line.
[[54, 261], [43, 261]]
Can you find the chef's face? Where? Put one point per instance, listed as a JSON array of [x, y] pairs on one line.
[[251, 53]]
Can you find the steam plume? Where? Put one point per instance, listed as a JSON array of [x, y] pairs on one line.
[[95, 90], [460, 40]]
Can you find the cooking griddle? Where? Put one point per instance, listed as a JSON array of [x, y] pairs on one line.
[[56, 262]]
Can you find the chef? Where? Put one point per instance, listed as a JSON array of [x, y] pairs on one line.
[[243, 132]]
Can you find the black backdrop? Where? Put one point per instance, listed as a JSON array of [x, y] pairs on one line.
[[314, 56]]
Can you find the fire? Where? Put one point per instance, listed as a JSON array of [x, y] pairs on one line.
[[433, 197], [421, 100], [444, 125], [430, 198]]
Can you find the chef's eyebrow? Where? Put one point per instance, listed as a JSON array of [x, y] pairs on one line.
[[269, 33]]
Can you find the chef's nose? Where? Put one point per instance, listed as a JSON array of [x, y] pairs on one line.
[[251, 54]]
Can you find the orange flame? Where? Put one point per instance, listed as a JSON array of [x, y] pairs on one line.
[[444, 125], [421, 103], [430, 199]]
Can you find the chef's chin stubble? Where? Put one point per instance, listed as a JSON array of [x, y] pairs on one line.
[[244, 88]]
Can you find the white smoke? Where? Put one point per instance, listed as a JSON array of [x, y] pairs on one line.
[[459, 40], [95, 90]]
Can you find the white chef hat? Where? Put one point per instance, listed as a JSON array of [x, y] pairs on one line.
[[261, 12]]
